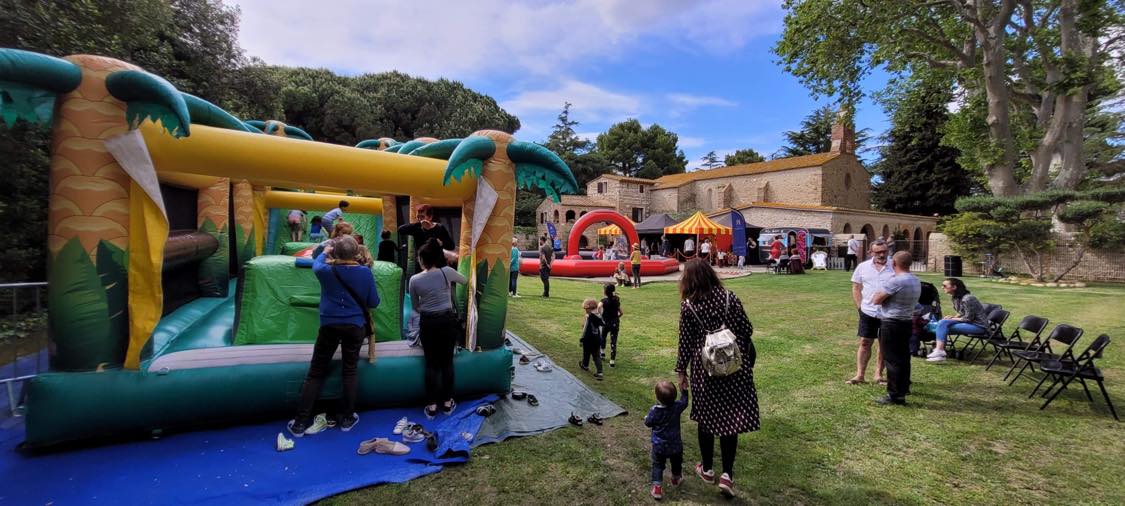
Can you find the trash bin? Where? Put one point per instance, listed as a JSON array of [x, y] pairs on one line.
[[952, 266]]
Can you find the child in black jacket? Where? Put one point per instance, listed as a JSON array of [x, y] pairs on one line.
[[591, 338]]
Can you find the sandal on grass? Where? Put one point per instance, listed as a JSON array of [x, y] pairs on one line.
[[595, 418], [855, 381], [575, 420]]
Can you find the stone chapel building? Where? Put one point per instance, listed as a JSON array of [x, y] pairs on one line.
[[826, 190]]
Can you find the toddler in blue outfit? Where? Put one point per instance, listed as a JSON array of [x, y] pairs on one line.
[[664, 419]]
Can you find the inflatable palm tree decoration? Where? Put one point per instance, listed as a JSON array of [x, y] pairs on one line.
[[501, 164], [97, 211]]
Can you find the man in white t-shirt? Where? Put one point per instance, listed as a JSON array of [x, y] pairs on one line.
[[852, 257], [689, 247], [867, 280]]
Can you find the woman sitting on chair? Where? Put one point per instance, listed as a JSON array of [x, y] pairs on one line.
[[970, 319], [796, 265]]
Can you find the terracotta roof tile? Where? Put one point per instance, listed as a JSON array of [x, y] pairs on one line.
[[793, 162], [627, 179]]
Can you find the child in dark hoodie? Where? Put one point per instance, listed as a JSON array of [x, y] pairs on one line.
[[664, 419], [591, 339]]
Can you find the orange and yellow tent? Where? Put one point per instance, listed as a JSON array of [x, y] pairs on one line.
[[697, 224], [610, 230]]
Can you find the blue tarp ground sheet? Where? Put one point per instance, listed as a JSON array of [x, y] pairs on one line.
[[237, 465]]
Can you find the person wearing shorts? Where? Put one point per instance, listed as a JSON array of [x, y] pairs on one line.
[[867, 280]]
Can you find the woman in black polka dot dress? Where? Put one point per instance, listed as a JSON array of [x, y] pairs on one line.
[[722, 407]]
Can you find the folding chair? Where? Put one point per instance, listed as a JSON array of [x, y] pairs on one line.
[[781, 266], [1082, 368], [996, 318], [1004, 345], [1063, 333]]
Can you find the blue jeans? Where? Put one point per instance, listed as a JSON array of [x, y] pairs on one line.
[[945, 327]]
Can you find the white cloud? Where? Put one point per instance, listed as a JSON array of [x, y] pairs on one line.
[[461, 40], [687, 101], [691, 142], [588, 102]]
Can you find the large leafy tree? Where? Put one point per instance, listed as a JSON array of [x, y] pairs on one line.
[[918, 174], [633, 150], [346, 110], [192, 43], [742, 157], [815, 135], [1029, 71], [579, 154]]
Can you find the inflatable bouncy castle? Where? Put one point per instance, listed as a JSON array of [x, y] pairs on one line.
[[166, 312]]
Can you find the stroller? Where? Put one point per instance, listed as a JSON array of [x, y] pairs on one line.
[[927, 310]]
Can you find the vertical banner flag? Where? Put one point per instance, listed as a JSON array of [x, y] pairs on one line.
[[551, 231], [738, 233]]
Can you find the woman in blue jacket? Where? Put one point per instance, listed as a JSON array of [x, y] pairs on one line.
[[347, 293]]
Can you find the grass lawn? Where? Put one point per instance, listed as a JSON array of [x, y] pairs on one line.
[[965, 438]]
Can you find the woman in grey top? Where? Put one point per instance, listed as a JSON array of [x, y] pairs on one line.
[[970, 318], [439, 331]]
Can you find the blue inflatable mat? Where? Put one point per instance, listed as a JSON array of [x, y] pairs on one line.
[[237, 465]]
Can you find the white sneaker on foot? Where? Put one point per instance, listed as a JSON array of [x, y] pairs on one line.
[[936, 353], [939, 358]]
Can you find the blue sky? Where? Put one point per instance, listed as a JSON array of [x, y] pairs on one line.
[[702, 69]]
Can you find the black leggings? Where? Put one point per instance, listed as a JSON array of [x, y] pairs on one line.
[[727, 446], [438, 333], [349, 338], [636, 274], [610, 334]]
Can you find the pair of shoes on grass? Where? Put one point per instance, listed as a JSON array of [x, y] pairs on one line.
[[726, 484], [594, 418]]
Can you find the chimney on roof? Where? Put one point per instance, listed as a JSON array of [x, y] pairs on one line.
[[843, 135]]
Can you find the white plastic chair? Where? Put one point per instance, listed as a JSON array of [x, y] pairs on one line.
[[819, 261]]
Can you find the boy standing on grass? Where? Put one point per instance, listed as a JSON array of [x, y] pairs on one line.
[[591, 338], [664, 419]]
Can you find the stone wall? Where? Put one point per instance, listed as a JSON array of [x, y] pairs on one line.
[[846, 184], [663, 201], [1095, 265], [798, 186], [767, 217]]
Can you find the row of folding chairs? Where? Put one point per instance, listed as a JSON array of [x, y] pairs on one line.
[[1027, 350]]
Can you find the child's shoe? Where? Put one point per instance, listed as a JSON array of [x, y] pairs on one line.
[[706, 476], [348, 421], [677, 480], [657, 492], [612, 363], [401, 425], [296, 429], [599, 376], [726, 486]]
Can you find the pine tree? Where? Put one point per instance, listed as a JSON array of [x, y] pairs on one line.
[[710, 161], [919, 175]]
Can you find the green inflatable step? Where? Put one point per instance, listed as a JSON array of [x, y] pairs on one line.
[[64, 407], [279, 302]]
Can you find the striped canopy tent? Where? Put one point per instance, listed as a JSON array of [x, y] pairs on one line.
[[698, 224], [610, 230]]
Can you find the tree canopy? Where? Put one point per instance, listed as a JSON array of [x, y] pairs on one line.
[[918, 174], [1028, 71], [633, 150], [743, 156]]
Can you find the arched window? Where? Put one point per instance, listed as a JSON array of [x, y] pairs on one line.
[[583, 242], [556, 215], [581, 214], [886, 231], [868, 231], [847, 228], [710, 201], [847, 181], [570, 216]]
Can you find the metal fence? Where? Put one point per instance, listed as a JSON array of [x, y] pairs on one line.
[[22, 334], [918, 249]]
